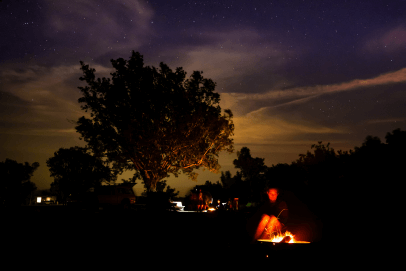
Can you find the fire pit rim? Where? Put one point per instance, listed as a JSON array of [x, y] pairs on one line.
[[269, 241]]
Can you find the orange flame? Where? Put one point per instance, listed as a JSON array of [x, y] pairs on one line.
[[279, 237]]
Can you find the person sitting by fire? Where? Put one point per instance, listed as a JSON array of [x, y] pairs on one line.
[[270, 219]]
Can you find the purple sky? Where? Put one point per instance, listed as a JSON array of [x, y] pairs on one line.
[[292, 72]]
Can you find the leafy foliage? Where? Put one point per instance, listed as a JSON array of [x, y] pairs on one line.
[[75, 171], [154, 121], [227, 180], [252, 171], [250, 167], [131, 180], [15, 184]]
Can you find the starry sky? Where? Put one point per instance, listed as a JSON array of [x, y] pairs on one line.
[[292, 72]]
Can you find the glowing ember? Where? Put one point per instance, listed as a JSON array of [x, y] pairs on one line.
[[279, 237], [285, 236]]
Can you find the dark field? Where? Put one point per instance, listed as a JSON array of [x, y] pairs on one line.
[[70, 234]]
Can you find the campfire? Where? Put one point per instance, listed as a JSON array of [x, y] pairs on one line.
[[286, 237]]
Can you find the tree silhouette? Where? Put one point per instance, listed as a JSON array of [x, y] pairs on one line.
[[226, 179], [131, 180], [285, 176], [160, 188], [371, 161], [397, 146], [250, 167], [15, 184], [75, 171], [320, 173], [154, 121], [252, 172], [396, 138]]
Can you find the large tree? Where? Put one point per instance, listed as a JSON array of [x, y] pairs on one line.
[[75, 171], [154, 121], [15, 184]]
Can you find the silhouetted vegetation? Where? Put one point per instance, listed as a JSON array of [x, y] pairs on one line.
[[75, 171], [247, 184], [341, 187], [15, 184], [154, 121], [160, 187]]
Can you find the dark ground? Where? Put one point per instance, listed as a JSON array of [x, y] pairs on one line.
[[127, 237]]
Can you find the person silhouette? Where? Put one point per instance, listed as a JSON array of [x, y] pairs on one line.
[[270, 219]]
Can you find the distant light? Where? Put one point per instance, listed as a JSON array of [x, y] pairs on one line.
[[178, 203], [38, 199]]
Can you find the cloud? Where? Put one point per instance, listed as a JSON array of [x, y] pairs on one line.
[[42, 132], [391, 120], [304, 94], [259, 127], [227, 60], [44, 83], [391, 40], [41, 98], [97, 27], [395, 39], [259, 117]]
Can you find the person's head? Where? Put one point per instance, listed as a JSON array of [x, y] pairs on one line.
[[272, 194]]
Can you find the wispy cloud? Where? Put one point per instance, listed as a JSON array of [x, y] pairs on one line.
[[390, 40], [391, 120], [304, 94], [41, 100], [42, 132], [99, 26], [260, 127], [39, 83], [227, 60], [262, 122]]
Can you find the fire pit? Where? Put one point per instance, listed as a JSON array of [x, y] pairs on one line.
[[286, 237], [283, 242]]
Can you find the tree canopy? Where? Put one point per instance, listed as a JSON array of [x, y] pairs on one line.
[[15, 184], [154, 121], [251, 168], [75, 171]]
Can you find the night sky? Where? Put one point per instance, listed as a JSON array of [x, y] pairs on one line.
[[292, 72]]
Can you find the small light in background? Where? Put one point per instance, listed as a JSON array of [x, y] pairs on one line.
[[38, 199]]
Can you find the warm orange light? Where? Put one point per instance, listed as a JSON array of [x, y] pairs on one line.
[[279, 237]]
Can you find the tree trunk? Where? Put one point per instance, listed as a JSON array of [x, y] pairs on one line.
[[149, 181]]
